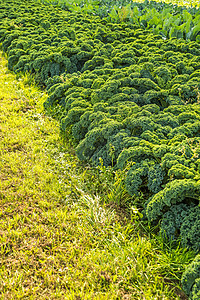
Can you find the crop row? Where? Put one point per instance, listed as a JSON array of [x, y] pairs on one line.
[[129, 98], [165, 19]]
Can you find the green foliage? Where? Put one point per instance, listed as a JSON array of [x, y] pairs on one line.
[[189, 231], [173, 219], [183, 220], [55, 215], [128, 96], [190, 279], [167, 19], [195, 293], [146, 169], [174, 192]]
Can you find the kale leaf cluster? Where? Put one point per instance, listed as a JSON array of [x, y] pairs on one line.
[[191, 279]]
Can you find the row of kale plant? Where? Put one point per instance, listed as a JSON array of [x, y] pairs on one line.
[[128, 96], [168, 20]]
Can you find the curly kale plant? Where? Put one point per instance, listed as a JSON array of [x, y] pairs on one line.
[[191, 279], [173, 219], [140, 172], [182, 220], [175, 192], [189, 231]]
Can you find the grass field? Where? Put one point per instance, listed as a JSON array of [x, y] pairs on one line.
[[59, 239]]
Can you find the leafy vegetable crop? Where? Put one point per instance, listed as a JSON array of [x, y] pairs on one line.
[[128, 96], [169, 20], [191, 279]]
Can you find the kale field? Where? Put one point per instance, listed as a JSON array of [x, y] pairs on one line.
[[124, 81]]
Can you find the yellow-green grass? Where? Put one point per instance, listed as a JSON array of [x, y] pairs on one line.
[[58, 238]]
